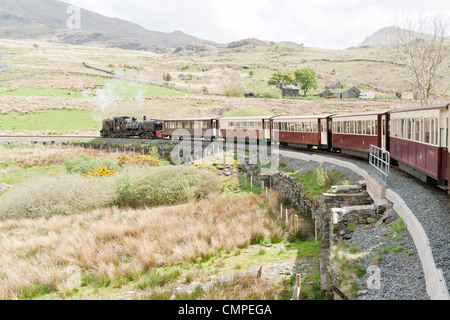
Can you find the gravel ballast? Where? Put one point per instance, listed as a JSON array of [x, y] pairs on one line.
[[402, 276]]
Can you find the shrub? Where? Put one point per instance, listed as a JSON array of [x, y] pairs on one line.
[[56, 195], [271, 95], [159, 186], [234, 91], [142, 160], [84, 164], [321, 175]]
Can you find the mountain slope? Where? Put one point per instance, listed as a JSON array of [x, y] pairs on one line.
[[388, 34], [24, 19]]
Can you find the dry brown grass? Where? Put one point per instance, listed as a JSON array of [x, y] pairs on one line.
[[109, 245], [56, 82], [47, 155], [244, 287], [25, 105]]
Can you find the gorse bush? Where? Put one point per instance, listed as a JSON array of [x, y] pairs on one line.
[[84, 164], [141, 160], [56, 195], [164, 186]]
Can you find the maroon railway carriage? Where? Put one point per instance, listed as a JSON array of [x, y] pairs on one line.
[[249, 128], [419, 141], [302, 131], [354, 133], [198, 128]]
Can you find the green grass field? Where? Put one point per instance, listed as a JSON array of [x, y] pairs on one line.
[[60, 121]]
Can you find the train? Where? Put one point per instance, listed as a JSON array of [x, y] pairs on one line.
[[417, 137]]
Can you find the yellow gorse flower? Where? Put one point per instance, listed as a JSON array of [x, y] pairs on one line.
[[102, 172], [143, 160]]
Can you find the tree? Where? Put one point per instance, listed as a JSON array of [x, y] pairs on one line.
[[307, 80], [418, 49], [282, 78]]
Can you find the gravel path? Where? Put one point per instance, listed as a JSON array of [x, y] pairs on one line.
[[402, 271]]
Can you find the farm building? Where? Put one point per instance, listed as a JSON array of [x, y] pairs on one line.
[[290, 91], [324, 93], [352, 93], [406, 95], [334, 86]]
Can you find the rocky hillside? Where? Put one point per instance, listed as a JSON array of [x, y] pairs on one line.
[[47, 19]]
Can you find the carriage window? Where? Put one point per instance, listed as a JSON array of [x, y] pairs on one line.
[[358, 127], [417, 129], [408, 129], [352, 127], [432, 131], [434, 124], [292, 127], [369, 127], [307, 127], [427, 131]]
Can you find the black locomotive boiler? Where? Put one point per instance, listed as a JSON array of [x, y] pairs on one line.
[[127, 127]]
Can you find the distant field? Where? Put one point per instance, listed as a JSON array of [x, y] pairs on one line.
[[128, 90], [247, 112], [41, 92], [59, 121]]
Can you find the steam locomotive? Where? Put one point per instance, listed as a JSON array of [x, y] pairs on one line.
[[127, 127]]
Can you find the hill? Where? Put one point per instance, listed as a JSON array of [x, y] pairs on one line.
[[386, 36], [47, 19]]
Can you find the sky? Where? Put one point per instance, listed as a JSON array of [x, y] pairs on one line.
[[331, 24]]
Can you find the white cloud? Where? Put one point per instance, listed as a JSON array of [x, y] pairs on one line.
[[318, 23]]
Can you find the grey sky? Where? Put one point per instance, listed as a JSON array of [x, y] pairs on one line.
[[336, 24]]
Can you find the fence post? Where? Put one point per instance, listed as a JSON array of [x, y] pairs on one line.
[[281, 211], [315, 228], [298, 287]]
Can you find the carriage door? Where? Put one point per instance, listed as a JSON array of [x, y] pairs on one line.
[[267, 129], [383, 132], [324, 132], [214, 129]]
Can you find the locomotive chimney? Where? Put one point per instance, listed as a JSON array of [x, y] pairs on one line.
[[145, 118]]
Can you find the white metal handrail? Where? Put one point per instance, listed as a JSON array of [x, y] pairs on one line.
[[380, 159]]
